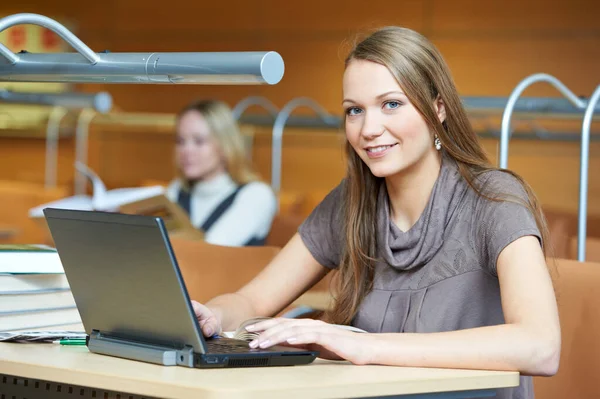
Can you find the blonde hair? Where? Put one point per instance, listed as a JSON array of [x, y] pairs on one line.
[[423, 74], [225, 130]]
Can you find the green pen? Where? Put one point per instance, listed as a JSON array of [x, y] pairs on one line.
[[75, 341]]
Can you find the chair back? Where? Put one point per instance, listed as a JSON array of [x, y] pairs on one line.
[[578, 294]]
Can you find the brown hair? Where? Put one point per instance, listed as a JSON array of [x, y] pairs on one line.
[[224, 128], [423, 74]]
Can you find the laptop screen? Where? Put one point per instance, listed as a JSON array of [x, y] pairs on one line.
[[124, 277]]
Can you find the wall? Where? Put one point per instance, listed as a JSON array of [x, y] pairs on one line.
[[489, 46]]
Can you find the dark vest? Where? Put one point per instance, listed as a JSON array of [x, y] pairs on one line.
[[184, 200]]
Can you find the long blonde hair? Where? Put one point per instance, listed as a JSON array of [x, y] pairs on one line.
[[224, 128], [423, 74]]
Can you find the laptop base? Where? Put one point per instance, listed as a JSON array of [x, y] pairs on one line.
[[150, 353]]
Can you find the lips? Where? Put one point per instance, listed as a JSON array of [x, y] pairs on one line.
[[379, 149]]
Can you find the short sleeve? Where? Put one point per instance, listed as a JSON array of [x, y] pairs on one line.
[[322, 231], [502, 222]]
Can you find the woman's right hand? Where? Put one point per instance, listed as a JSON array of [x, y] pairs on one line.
[[209, 323]]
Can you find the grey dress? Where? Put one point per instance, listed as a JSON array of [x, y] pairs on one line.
[[440, 275]]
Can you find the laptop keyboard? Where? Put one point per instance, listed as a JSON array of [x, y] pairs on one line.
[[225, 345]]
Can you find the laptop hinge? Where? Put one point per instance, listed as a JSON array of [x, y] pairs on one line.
[[142, 351]]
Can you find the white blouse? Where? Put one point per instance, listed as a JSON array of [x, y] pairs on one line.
[[249, 216]]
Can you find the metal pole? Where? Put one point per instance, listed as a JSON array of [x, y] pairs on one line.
[[52, 134], [81, 147], [36, 19], [278, 126], [583, 174], [101, 102], [234, 68], [247, 102], [512, 100], [251, 67], [555, 107]]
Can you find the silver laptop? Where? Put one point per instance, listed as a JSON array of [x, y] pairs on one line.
[[132, 299]]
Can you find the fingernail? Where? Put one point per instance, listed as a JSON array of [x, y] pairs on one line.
[[250, 328], [291, 340], [254, 344], [264, 344], [209, 331]]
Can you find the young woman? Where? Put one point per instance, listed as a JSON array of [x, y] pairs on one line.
[[217, 186], [438, 254]]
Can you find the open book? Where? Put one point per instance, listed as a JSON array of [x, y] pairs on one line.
[[244, 335], [101, 199]]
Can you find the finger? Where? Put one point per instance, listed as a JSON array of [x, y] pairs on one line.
[[276, 327], [283, 333], [265, 325], [207, 320]]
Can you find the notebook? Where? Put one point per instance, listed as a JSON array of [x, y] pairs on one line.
[[132, 298]]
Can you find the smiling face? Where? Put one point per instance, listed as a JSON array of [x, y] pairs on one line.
[[382, 126]]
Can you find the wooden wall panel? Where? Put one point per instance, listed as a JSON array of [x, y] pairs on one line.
[[496, 66], [324, 18], [23, 159], [552, 169], [185, 16], [490, 47], [515, 18]]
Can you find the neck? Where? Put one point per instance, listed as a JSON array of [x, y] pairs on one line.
[[215, 182], [410, 190]]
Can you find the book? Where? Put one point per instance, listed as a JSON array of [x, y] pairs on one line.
[[28, 259], [38, 319], [101, 198], [242, 334], [36, 300], [176, 220], [31, 283]]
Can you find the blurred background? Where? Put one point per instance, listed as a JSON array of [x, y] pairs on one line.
[[490, 47]]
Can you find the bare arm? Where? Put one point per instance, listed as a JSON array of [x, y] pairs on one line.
[[289, 275], [529, 341]]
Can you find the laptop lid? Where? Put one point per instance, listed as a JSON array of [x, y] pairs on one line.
[[124, 277]]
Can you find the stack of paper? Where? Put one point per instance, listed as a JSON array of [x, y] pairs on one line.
[[34, 291]]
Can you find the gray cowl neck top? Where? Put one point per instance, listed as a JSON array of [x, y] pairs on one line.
[[440, 275]]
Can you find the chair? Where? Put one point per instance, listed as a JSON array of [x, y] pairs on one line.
[[578, 298], [210, 270], [592, 249], [283, 228], [17, 199], [563, 226]]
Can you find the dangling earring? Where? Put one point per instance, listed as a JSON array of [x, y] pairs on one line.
[[437, 143]]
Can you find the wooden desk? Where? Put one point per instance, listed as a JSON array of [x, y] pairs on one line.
[[77, 373]]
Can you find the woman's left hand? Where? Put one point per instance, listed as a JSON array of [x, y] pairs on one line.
[[332, 342]]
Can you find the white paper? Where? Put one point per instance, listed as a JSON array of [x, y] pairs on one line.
[[101, 199], [40, 336], [30, 262]]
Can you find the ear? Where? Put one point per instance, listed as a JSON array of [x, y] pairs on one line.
[[440, 108]]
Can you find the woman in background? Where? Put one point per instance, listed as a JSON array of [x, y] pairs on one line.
[[217, 186]]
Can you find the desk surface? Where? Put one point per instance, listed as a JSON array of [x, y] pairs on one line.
[[77, 366]]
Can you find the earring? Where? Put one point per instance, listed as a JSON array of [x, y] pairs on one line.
[[437, 143]]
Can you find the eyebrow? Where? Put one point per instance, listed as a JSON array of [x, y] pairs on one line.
[[347, 100]]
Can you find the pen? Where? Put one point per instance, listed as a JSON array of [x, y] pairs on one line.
[[76, 341]]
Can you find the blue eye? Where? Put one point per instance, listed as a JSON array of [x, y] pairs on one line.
[[393, 104], [353, 111]]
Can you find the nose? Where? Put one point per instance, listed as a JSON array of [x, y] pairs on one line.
[[184, 147], [372, 126]]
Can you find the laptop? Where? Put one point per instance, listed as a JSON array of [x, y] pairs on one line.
[[132, 298]]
